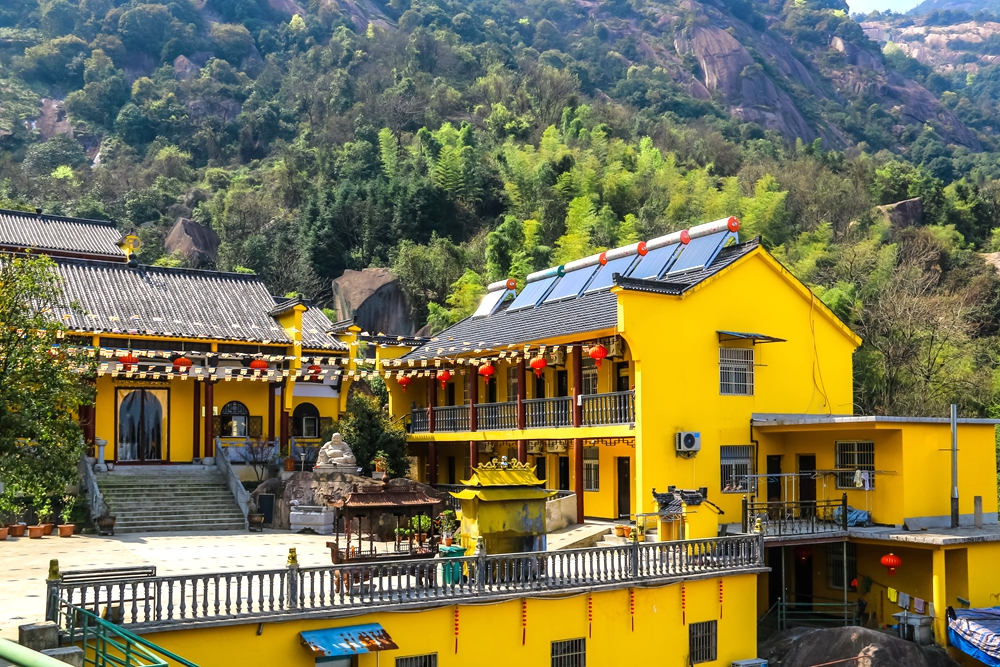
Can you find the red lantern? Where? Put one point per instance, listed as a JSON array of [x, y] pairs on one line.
[[314, 372], [258, 365], [803, 553], [128, 361], [443, 377], [182, 364], [891, 561], [598, 354], [538, 364], [487, 372], [404, 382]]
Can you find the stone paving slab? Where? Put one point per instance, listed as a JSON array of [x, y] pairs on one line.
[[24, 563]]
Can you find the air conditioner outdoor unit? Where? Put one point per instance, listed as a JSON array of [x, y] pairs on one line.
[[753, 662], [687, 443]]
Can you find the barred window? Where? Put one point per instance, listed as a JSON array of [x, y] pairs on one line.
[[835, 566], [738, 468], [569, 653], [736, 371], [703, 638], [429, 660], [591, 468], [589, 373], [853, 456], [512, 383]]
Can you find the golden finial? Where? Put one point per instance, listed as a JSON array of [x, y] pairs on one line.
[[293, 559], [54, 573]]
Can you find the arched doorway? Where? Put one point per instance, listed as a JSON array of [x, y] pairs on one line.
[[142, 424], [233, 420], [305, 421]]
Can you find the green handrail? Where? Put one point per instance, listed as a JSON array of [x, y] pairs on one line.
[[100, 635], [25, 657]]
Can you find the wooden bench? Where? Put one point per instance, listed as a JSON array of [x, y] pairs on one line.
[[105, 582]]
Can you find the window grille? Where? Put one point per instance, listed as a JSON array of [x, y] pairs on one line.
[[736, 371], [853, 455], [512, 383], [591, 468], [835, 566], [569, 653], [738, 468], [704, 640], [589, 373], [429, 660]]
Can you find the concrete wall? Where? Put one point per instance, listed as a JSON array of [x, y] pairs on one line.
[[560, 512]]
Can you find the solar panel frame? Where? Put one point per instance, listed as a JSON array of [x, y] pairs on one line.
[[602, 279], [658, 259], [490, 302], [572, 284], [700, 252], [532, 294]]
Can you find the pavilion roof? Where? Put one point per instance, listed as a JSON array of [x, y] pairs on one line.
[[385, 497]]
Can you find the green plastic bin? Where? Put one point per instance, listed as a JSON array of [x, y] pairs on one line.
[[452, 571]]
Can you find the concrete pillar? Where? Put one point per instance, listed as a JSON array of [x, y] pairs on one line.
[[38, 636], [940, 596], [71, 655]]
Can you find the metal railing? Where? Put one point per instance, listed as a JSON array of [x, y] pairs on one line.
[[608, 409], [795, 517], [105, 644], [419, 421], [815, 612], [549, 412], [240, 493], [451, 418], [497, 416], [165, 601]]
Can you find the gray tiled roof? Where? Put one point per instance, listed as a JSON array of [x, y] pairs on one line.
[[176, 302], [54, 234], [591, 312]]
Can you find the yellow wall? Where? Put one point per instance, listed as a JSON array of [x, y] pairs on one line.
[[491, 635], [676, 351]]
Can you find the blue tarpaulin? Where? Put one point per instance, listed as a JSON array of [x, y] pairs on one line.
[[328, 645], [854, 517], [976, 632]]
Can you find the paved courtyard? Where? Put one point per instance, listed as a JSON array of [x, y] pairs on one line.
[[24, 563]]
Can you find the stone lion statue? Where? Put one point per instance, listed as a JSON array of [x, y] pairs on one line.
[[336, 453]]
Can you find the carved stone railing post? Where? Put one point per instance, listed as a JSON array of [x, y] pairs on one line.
[[293, 579]]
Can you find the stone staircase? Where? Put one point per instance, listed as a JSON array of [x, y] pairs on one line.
[[169, 498]]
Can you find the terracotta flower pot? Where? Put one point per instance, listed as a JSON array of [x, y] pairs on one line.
[[36, 532], [289, 464], [66, 530], [619, 531], [448, 541], [3, 533], [627, 530], [16, 529], [47, 528]]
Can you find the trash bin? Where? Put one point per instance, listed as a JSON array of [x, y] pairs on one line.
[[452, 571]]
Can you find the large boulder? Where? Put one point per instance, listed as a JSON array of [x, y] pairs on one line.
[[804, 647], [906, 213], [197, 244], [375, 300]]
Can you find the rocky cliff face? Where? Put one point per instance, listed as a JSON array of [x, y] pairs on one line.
[[374, 299]]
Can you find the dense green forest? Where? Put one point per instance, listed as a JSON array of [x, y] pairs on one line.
[[462, 142]]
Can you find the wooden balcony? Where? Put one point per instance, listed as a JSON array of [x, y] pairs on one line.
[[612, 409]]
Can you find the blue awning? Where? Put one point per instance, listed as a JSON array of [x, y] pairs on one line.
[[332, 643]]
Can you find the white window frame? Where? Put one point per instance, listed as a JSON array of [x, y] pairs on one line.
[[852, 455], [736, 366], [738, 469], [588, 380]]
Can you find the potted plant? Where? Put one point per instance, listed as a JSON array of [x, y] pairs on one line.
[[66, 528], [619, 530], [45, 515], [381, 461], [3, 533], [10, 510], [420, 525], [105, 522], [447, 522], [289, 464], [403, 534]]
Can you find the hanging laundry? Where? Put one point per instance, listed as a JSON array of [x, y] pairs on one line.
[[904, 601], [893, 595], [857, 479], [930, 609], [866, 480], [918, 605]]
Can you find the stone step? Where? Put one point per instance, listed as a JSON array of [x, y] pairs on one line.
[[197, 493], [180, 525], [142, 515], [125, 530]]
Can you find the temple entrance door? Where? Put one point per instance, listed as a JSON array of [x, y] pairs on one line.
[[142, 425], [564, 473], [540, 469], [624, 470]]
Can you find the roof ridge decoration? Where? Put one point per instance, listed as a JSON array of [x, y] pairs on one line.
[[504, 464]]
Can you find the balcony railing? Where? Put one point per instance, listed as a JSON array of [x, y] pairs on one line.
[[789, 519], [451, 418], [497, 416], [607, 409], [191, 600], [597, 410], [549, 412]]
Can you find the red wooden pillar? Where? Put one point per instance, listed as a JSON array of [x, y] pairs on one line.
[[522, 451], [473, 399], [432, 397], [196, 423], [522, 393], [577, 421], [270, 411], [432, 474], [209, 420], [473, 457]]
